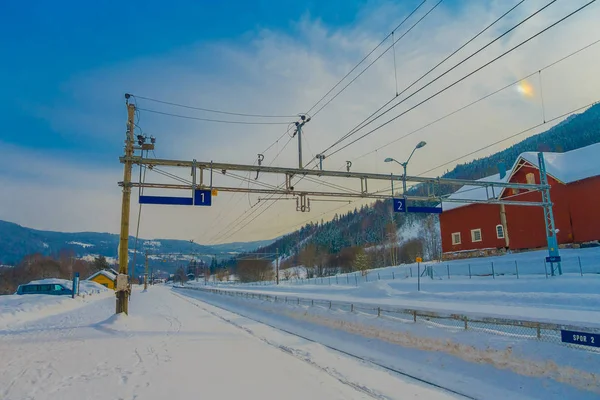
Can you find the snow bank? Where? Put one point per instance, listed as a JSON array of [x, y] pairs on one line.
[[563, 300], [480, 365], [15, 309]]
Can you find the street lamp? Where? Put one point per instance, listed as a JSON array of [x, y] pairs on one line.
[[404, 164]]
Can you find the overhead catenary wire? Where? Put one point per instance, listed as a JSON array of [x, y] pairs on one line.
[[463, 78], [511, 136], [480, 99], [378, 57], [360, 125], [365, 57], [210, 119], [213, 110]]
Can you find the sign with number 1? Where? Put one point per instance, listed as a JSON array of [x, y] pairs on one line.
[[202, 197]]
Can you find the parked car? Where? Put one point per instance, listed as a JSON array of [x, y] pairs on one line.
[[44, 288]]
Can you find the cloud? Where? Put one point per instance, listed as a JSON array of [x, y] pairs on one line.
[[285, 73]]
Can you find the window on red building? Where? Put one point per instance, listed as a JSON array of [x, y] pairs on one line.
[[456, 238], [499, 231], [476, 235]]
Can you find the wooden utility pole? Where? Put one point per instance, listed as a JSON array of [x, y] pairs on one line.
[[277, 265], [146, 273], [123, 289]]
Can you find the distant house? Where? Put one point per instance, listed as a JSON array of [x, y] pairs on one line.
[[574, 178], [105, 278]]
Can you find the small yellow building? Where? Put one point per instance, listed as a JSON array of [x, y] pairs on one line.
[[105, 278]]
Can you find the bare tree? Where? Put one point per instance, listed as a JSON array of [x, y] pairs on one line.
[[308, 257], [432, 242], [255, 270]]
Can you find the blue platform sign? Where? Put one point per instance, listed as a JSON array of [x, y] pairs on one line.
[[580, 338], [166, 200], [202, 197], [425, 210], [553, 259], [399, 205]]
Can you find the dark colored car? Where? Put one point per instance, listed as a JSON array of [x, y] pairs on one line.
[[44, 288]]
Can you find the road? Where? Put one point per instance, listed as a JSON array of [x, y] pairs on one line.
[[174, 347]]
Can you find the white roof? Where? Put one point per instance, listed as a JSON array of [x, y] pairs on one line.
[[571, 166], [568, 167], [104, 272], [469, 192]]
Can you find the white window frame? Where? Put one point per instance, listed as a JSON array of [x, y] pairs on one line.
[[532, 180], [455, 242], [473, 235], [497, 231]]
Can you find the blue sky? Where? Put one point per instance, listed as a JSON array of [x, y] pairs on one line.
[[63, 119], [50, 42]]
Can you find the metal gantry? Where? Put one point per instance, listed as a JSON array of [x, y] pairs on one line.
[[201, 190]]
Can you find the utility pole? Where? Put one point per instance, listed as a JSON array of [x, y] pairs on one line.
[[277, 265], [298, 131], [123, 289], [146, 274]]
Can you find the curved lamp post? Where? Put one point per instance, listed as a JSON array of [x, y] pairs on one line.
[[404, 164]]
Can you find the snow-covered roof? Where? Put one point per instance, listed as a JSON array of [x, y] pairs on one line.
[[469, 192], [571, 166], [567, 167], [104, 272]]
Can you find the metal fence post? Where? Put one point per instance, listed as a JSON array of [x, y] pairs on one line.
[[469, 271], [379, 311], [465, 319], [415, 315], [312, 303], [393, 275], [356, 279], [367, 277], [352, 307], [419, 277], [410, 268], [329, 281], [517, 268], [336, 280], [330, 304], [580, 269], [448, 268], [378, 277], [546, 268], [493, 272], [347, 279], [539, 333]]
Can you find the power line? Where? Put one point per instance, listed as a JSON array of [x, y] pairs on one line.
[[212, 120], [213, 110], [376, 59], [360, 125], [463, 78], [480, 99], [511, 137]]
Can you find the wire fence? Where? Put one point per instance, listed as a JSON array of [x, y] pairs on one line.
[[510, 268], [522, 329]]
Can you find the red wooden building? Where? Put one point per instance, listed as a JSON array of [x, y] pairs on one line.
[[574, 177]]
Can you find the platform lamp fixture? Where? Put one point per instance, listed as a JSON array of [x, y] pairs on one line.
[[404, 164]]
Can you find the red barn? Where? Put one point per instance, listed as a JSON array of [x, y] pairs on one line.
[[574, 178]]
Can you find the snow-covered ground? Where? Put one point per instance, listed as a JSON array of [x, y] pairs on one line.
[[472, 363], [15, 309], [569, 299], [172, 346]]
